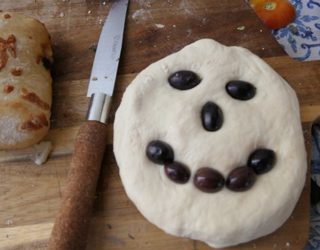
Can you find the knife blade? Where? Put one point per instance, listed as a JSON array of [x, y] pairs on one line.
[[71, 224], [105, 65], [107, 56]]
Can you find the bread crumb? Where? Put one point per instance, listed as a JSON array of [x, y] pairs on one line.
[[9, 222], [241, 27], [159, 25], [139, 14], [42, 151]]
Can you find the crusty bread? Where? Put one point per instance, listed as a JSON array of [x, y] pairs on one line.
[[25, 81]]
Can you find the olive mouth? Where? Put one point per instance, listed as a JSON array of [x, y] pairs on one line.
[[208, 179]]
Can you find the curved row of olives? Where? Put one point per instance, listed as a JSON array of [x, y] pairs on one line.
[[208, 179]]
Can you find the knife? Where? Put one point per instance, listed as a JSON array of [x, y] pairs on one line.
[[71, 225]]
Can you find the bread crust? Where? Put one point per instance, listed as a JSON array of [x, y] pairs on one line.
[[25, 81]]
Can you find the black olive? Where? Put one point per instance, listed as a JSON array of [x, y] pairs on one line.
[[241, 90], [208, 180], [211, 116], [184, 80], [241, 179], [262, 160], [177, 172], [159, 152]]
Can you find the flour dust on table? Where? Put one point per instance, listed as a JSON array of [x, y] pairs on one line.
[[209, 145]]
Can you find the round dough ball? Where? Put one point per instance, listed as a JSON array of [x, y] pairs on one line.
[[152, 109]]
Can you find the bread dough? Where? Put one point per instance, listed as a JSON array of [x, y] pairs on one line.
[[151, 109]]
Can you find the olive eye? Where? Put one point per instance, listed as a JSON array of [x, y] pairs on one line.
[[241, 90], [184, 80]]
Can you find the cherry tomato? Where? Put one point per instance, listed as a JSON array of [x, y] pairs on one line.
[[275, 14]]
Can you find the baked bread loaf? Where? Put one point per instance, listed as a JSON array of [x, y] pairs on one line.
[[25, 81]]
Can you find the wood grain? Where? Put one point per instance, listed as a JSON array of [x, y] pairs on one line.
[[30, 196]]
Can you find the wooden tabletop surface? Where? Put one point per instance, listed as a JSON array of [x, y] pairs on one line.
[[30, 195]]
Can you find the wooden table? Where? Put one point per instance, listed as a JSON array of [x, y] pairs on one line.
[[30, 195]]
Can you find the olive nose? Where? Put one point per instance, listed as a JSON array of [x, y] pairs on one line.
[[211, 117]]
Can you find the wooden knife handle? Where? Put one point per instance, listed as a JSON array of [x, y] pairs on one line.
[[71, 225]]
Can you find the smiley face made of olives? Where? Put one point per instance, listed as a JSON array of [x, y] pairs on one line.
[[208, 179], [209, 145]]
